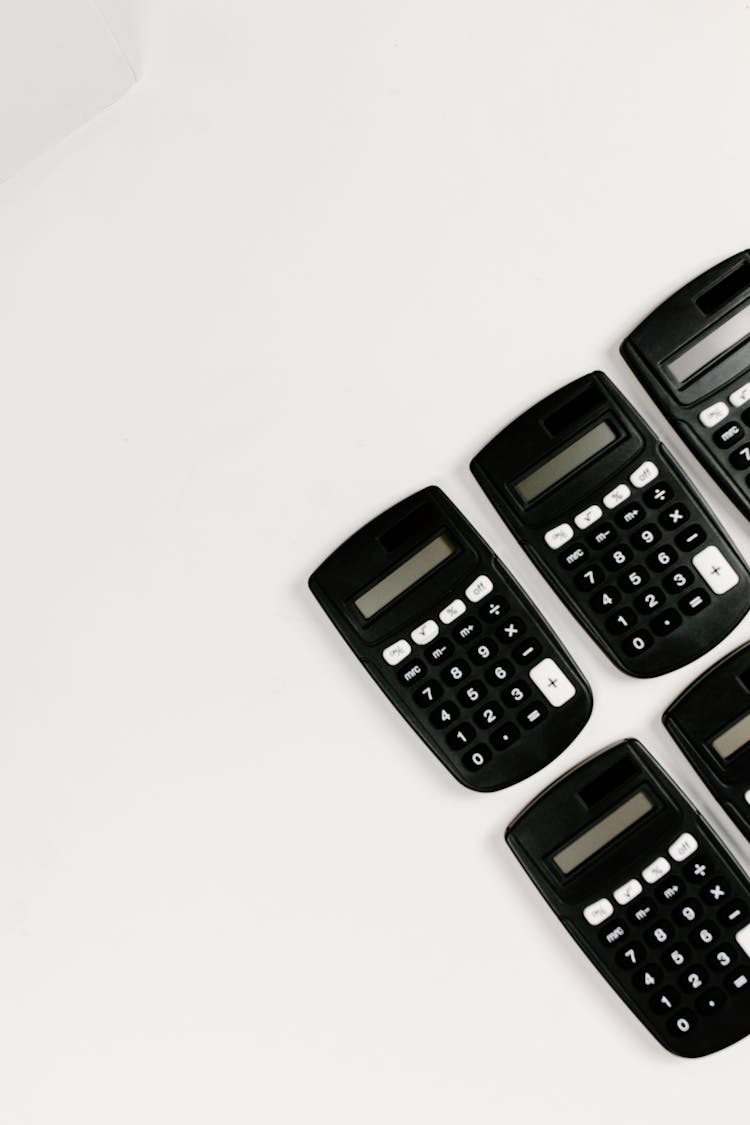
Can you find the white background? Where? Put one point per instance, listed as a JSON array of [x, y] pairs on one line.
[[311, 263]]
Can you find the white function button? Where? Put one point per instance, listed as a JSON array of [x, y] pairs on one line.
[[557, 536], [397, 652], [657, 870], [747, 796], [588, 516], [713, 414], [552, 683], [598, 912], [452, 611], [480, 588], [627, 892], [618, 495], [644, 474], [425, 632], [683, 847], [715, 570], [740, 396], [743, 939]]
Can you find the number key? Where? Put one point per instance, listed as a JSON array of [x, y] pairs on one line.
[[590, 578], [740, 459], [487, 717], [483, 651], [676, 957], [517, 693], [659, 934], [638, 643], [665, 1000], [646, 537], [678, 580], [461, 736], [500, 672], [694, 979], [631, 956], [472, 693], [617, 558], [621, 622], [634, 578], [476, 759], [704, 936], [429, 693], [456, 672], [647, 978], [662, 559], [650, 600], [688, 913], [444, 715], [605, 599], [723, 957]]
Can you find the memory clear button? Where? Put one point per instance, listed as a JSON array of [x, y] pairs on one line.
[[588, 516], [715, 570], [657, 870], [425, 632], [397, 652], [480, 588], [552, 683], [713, 414], [452, 611], [557, 536], [740, 396], [644, 474], [598, 912], [683, 847], [743, 939], [627, 892], [618, 495]]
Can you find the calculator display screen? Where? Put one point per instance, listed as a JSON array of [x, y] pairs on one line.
[[603, 832], [733, 739], [711, 346], [572, 457], [407, 574]]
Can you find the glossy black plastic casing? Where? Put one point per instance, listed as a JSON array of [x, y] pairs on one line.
[[560, 813], [527, 442], [380, 546], [680, 321], [707, 708]]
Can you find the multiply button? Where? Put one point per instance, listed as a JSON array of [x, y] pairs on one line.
[[598, 912], [480, 588], [683, 847]]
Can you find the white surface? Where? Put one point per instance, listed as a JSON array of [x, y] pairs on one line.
[[59, 65], [255, 302]]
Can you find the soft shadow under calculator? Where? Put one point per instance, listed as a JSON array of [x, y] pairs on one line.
[[649, 892], [710, 722], [454, 643], [692, 355], [616, 527]]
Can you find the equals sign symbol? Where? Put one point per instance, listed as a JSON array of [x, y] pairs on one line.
[[695, 601]]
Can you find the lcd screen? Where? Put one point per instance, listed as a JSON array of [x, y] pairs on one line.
[[404, 576], [734, 739], [604, 832], [566, 461], [711, 346]]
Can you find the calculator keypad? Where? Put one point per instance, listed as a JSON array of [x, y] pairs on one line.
[[677, 936], [646, 569], [481, 677]]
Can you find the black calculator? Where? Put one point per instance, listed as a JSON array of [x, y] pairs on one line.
[[615, 526], [692, 355], [649, 892], [710, 722], [453, 642]]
